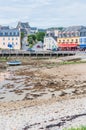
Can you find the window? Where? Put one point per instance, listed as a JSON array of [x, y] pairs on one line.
[[14, 33], [85, 40], [17, 33], [59, 41], [3, 38], [85, 33], [16, 38], [12, 38], [72, 40], [6, 33], [10, 33], [1, 34], [3, 43], [63, 41], [8, 38], [16, 43], [76, 40], [80, 40], [13, 43]]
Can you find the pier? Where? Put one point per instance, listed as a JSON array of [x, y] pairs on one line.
[[7, 53]]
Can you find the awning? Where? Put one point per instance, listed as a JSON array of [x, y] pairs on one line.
[[82, 45], [67, 45]]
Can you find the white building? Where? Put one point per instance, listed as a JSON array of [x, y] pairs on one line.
[[10, 39], [50, 43], [50, 40]]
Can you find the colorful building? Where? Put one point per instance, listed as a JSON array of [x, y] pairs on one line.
[[72, 38], [83, 39], [10, 39]]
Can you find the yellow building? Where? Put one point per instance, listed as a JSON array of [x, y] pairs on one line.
[[68, 40]]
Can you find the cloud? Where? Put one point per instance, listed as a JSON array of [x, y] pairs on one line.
[[43, 13]]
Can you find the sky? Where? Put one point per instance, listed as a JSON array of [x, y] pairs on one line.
[[43, 13]]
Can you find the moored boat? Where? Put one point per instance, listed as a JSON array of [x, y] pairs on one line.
[[14, 63]]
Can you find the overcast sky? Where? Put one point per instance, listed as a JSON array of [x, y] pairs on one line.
[[43, 13]]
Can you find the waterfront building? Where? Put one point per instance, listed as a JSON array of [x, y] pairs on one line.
[[50, 40], [10, 39], [70, 38], [83, 39]]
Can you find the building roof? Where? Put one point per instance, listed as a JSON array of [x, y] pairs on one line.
[[4, 27], [23, 25], [73, 29], [9, 32], [33, 28]]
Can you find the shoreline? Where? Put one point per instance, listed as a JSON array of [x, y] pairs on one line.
[[43, 94], [53, 116]]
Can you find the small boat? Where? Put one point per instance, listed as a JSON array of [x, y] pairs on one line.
[[14, 62]]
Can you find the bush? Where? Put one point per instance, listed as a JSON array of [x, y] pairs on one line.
[[81, 128]]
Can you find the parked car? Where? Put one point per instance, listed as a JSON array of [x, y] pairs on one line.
[[55, 49], [30, 49]]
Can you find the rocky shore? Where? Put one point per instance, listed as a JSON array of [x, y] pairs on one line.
[[43, 94]]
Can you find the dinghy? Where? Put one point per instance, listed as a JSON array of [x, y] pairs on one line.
[[14, 63]]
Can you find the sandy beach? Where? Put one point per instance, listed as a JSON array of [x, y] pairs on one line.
[[43, 94]]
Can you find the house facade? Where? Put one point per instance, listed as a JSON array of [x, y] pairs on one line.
[[83, 39], [10, 39], [50, 43], [71, 38], [50, 40]]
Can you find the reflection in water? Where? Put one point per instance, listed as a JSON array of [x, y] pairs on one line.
[[4, 75]]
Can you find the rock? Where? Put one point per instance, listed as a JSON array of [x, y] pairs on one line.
[[53, 95], [28, 97], [69, 91], [18, 91], [62, 93], [2, 66]]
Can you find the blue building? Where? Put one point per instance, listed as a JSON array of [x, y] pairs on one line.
[[82, 44]]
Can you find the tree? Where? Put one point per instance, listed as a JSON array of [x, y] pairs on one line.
[[22, 35], [40, 36], [60, 28], [31, 40]]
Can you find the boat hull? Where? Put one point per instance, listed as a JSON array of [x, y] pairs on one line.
[[13, 63]]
